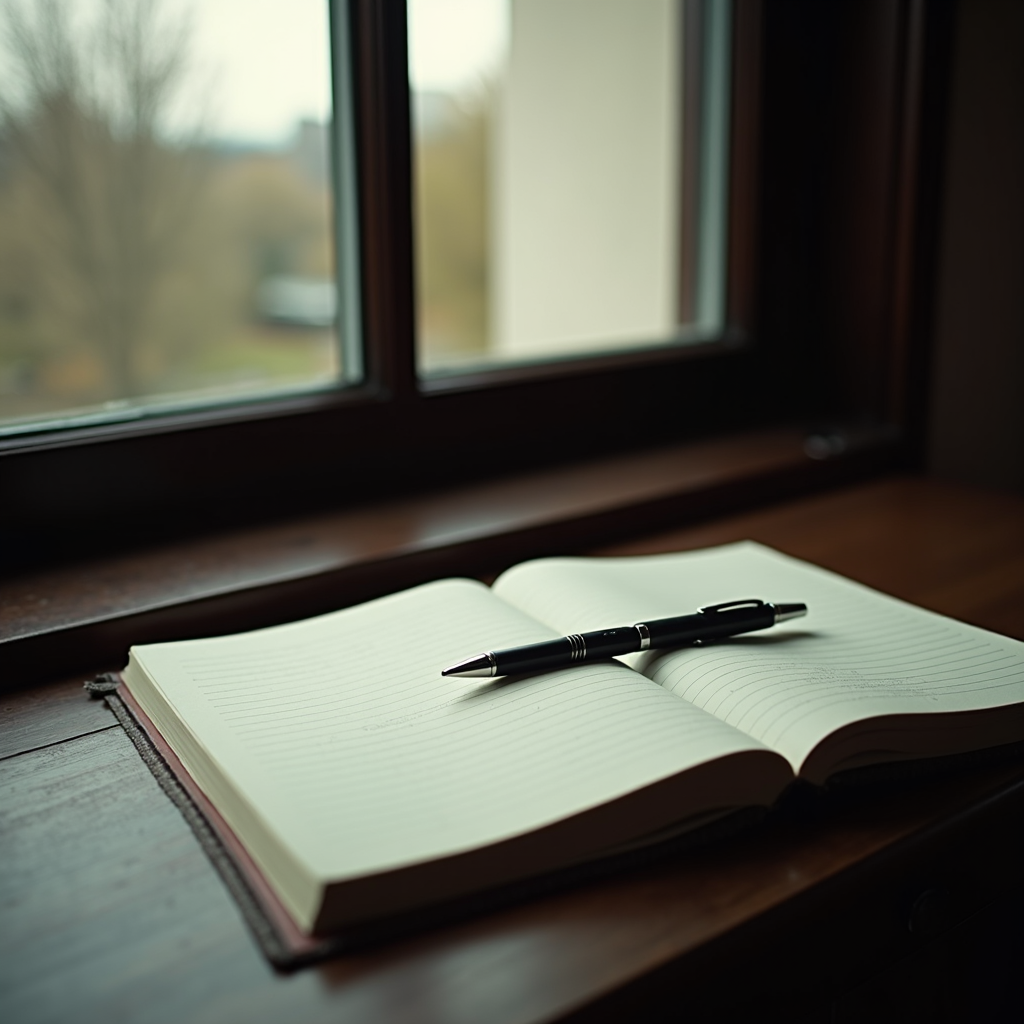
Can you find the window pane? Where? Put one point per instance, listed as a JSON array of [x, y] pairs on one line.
[[166, 202], [553, 161]]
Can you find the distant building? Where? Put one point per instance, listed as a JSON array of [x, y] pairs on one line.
[[297, 301], [311, 151]]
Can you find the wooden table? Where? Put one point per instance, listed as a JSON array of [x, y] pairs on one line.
[[901, 902]]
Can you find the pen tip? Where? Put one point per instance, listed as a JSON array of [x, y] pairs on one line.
[[481, 666]]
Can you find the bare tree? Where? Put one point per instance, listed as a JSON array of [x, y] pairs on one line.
[[82, 108]]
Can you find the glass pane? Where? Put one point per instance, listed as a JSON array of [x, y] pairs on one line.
[[551, 174], [166, 202]]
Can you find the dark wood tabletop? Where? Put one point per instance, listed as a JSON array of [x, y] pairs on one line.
[[897, 900]]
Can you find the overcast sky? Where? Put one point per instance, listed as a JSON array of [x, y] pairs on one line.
[[454, 43], [262, 65], [258, 67]]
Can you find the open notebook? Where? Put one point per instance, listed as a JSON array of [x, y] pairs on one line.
[[362, 784]]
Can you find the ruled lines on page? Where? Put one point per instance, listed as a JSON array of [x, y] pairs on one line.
[[860, 661], [343, 735], [857, 654]]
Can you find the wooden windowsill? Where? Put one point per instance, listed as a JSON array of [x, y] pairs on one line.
[[58, 621]]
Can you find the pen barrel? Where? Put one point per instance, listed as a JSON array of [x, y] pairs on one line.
[[607, 643], [567, 651], [709, 625]]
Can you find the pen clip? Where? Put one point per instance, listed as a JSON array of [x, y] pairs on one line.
[[728, 606]]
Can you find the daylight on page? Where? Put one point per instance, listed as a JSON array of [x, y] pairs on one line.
[[165, 196]]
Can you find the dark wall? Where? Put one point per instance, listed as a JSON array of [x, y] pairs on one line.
[[977, 399]]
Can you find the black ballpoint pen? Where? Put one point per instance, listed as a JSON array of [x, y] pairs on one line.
[[716, 620]]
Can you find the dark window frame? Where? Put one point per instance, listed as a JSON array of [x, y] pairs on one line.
[[837, 115]]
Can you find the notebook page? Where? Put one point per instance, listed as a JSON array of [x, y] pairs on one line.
[[857, 653], [343, 735]]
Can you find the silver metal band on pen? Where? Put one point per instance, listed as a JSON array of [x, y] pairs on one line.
[[577, 647], [645, 635]]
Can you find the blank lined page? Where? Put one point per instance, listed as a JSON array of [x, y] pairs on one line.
[[857, 654], [342, 734]]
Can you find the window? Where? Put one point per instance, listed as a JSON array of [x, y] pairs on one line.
[[830, 133], [168, 205]]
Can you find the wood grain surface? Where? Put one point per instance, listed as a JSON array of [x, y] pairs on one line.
[[110, 911]]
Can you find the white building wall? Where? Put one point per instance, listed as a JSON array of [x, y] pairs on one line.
[[586, 177]]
